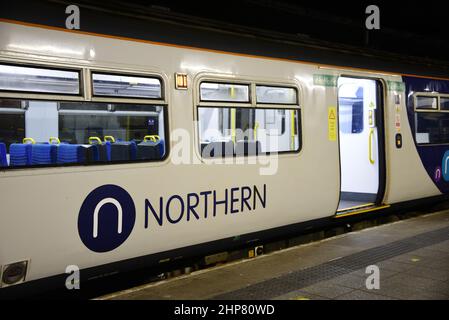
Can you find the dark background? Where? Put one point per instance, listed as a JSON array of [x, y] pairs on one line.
[[414, 33], [414, 28]]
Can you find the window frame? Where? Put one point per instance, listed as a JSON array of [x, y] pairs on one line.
[[416, 96], [251, 105], [237, 83], [278, 86], [443, 96], [80, 94], [86, 95], [437, 110], [125, 74]]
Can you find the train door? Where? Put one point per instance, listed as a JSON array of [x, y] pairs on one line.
[[361, 136]]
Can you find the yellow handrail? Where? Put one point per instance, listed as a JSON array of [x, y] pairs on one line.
[[25, 140], [55, 139], [292, 129], [256, 126], [111, 138], [370, 144], [233, 124], [92, 139], [153, 138]]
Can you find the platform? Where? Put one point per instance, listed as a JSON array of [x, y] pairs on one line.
[[412, 256]]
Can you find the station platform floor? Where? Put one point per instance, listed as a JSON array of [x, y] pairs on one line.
[[412, 256]]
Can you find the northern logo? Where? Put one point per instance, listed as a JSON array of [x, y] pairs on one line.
[[106, 218]]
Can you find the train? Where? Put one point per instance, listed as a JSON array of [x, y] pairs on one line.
[[123, 151]]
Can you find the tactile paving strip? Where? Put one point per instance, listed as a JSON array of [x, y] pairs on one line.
[[302, 278]]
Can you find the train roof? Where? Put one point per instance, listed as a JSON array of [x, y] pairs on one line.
[[181, 30]]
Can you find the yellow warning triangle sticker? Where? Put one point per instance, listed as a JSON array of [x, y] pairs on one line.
[[332, 114]]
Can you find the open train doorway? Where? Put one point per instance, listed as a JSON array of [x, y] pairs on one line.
[[361, 141]]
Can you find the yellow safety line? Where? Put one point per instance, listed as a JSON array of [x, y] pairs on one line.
[[355, 207], [361, 211]]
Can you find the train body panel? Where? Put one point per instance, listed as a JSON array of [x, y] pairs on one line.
[[174, 202]]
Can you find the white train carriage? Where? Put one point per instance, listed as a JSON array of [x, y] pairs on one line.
[[118, 154]]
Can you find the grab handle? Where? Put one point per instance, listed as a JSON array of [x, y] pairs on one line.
[[54, 139], [94, 139], [153, 138], [25, 140], [256, 127], [109, 138], [370, 145]]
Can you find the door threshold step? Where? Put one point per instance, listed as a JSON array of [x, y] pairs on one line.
[[359, 210]]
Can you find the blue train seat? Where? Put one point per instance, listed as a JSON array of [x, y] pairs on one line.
[[20, 154], [151, 148], [103, 149], [77, 153], [122, 150], [43, 153], [3, 159]]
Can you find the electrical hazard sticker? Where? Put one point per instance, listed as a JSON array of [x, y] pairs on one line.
[[332, 123]]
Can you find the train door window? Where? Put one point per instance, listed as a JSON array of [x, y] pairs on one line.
[[113, 85], [351, 109], [39, 79]]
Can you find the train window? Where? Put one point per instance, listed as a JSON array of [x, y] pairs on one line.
[[275, 121], [42, 80], [58, 133], [124, 122], [350, 104], [12, 121], [276, 95], [247, 131], [432, 127], [426, 102], [224, 92], [444, 103], [112, 85]]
